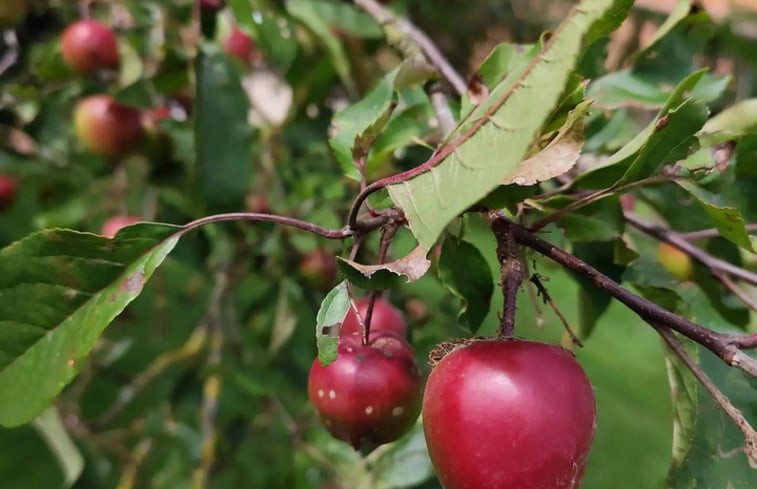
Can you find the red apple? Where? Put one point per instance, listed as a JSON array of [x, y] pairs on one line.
[[371, 394], [107, 127], [319, 268], [385, 317], [8, 189], [12, 12], [114, 224], [239, 45], [509, 414], [89, 46]]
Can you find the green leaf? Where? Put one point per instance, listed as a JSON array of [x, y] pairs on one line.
[[356, 127], [51, 429], [331, 314], [733, 123], [592, 302], [728, 220], [612, 170], [464, 271], [345, 17], [58, 291], [274, 34], [404, 463], [679, 13], [708, 448], [223, 138], [310, 13], [477, 162]]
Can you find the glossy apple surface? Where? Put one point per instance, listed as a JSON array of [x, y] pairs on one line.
[[8, 189], [114, 224], [239, 45], [89, 46], [107, 127], [385, 317], [675, 261], [513, 414], [371, 394]]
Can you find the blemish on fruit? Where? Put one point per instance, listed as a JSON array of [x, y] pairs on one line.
[[368, 409], [320, 393], [332, 394], [397, 411]]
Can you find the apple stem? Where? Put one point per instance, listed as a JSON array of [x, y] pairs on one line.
[[513, 270], [387, 234]]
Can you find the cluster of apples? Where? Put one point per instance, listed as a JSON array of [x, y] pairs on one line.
[[498, 413]]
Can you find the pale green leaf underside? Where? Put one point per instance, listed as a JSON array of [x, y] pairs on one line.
[[59, 289], [431, 200], [331, 313]]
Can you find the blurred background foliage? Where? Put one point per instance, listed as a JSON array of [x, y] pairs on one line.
[[252, 135]]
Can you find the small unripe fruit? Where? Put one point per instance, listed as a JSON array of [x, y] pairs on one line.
[[239, 45], [89, 46], [385, 317], [12, 12], [319, 268], [114, 224], [511, 414], [675, 261], [8, 189], [107, 127], [371, 394]]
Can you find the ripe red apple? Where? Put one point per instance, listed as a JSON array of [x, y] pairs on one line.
[[107, 127], [675, 261], [114, 224], [371, 394], [89, 46], [509, 414], [319, 268], [12, 12], [8, 189], [239, 45], [385, 317]]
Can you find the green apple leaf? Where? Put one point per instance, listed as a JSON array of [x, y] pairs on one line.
[[59, 289], [733, 123], [330, 315], [500, 131]]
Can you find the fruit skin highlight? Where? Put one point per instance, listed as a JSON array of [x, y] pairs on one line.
[[675, 261], [371, 394], [107, 127], [385, 317], [509, 414], [89, 46]]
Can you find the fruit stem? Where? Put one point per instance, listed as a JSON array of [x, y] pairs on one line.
[[387, 234], [508, 254]]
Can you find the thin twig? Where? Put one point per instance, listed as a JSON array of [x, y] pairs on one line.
[[386, 239], [129, 477], [385, 17], [585, 200], [441, 108], [673, 238], [750, 435], [725, 346], [736, 290], [536, 280], [713, 233]]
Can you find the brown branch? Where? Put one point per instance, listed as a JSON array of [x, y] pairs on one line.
[[385, 17], [750, 436], [674, 239], [512, 271], [725, 346], [713, 233]]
